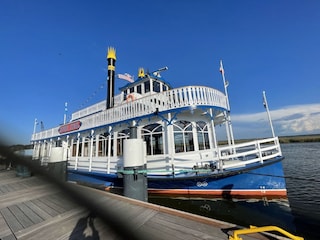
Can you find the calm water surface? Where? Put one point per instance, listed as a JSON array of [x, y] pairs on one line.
[[299, 215]]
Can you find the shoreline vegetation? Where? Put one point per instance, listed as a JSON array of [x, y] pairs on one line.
[[286, 139], [300, 138]]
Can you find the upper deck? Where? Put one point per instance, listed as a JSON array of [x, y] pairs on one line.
[[97, 115]]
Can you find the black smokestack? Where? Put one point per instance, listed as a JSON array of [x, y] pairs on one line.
[[111, 57]]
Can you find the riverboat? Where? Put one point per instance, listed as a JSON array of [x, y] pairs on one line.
[[174, 136]]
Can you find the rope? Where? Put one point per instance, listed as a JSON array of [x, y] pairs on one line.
[[91, 96]]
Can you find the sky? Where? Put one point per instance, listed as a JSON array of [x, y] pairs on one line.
[[52, 52]]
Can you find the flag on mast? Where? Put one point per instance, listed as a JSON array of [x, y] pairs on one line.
[[225, 82], [126, 77], [221, 68]]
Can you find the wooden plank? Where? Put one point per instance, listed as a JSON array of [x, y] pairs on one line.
[[23, 219], [155, 232], [105, 231], [144, 216], [25, 195], [47, 201], [4, 228], [40, 212], [3, 189], [7, 174], [9, 237], [174, 221], [9, 187], [33, 216], [11, 220], [54, 228], [174, 228], [15, 186], [45, 207], [62, 201]]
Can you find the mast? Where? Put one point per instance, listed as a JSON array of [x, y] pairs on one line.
[[265, 104], [111, 58], [35, 125], [227, 113]]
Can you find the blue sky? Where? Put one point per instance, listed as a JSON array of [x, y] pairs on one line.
[[52, 52]]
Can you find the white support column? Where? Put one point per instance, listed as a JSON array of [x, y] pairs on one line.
[[109, 149], [213, 132], [97, 138], [91, 150], [77, 152], [171, 145], [195, 136], [50, 147]]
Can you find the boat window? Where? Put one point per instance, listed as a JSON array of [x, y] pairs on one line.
[[203, 135], [74, 148], [147, 86], [59, 143], [131, 89], [164, 87], [156, 86], [124, 134], [103, 145], [183, 136], [153, 136], [139, 89], [80, 148], [86, 147], [93, 148]]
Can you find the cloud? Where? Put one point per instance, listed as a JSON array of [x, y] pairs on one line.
[[289, 120]]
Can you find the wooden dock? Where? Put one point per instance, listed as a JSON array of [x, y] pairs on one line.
[[33, 208]]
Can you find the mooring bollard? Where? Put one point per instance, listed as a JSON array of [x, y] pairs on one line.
[[135, 184]]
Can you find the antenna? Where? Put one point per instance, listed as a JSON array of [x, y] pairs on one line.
[[157, 72]]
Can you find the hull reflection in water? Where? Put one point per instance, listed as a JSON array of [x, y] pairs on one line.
[[243, 212]]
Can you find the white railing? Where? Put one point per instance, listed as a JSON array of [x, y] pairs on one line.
[[249, 152], [227, 158], [168, 100]]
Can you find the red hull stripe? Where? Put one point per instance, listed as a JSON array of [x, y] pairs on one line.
[[264, 192]]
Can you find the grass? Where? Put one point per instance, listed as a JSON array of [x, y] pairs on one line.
[[300, 138], [284, 139]]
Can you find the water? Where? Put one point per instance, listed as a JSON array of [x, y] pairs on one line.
[[300, 214]]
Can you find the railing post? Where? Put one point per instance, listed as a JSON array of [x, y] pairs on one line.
[[259, 151]]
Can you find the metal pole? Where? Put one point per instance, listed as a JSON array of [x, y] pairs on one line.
[[229, 125], [265, 103], [65, 113], [35, 125]]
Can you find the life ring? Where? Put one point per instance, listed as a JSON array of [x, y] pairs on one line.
[[130, 97]]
